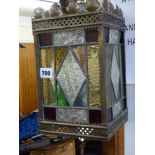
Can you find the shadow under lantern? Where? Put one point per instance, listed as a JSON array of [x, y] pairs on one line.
[[85, 96]]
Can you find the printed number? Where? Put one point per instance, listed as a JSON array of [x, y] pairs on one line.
[[46, 73]]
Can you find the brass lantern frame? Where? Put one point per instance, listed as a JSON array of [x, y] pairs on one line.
[[86, 21]]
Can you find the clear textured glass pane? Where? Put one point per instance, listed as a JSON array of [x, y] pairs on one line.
[[117, 109], [61, 99], [72, 115], [48, 84], [70, 77], [115, 72], [81, 55], [60, 53], [94, 76], [81, 100], [69, 38], [114, 36]]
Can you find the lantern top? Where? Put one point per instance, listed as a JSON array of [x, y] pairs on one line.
[[55, 19]]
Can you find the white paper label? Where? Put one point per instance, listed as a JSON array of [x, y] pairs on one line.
[[45, 73]]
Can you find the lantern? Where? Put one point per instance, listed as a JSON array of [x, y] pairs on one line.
[[81, 73]]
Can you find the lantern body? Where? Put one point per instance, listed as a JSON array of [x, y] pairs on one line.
[[81, 74]]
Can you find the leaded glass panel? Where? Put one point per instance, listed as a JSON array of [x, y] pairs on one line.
[[48, 83], [115, 72], [45, 39], [81, 100], [50, 113], [81, 55], [94, 76], [59, 54], [117, 109], [61, 99], [71, 77], [114, 36], [72, 115], [69, 37], [91, 36]]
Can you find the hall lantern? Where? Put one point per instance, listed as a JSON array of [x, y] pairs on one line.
[[80, 61]]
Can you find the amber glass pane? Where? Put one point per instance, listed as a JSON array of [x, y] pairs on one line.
[[95, 116], [45, 39], [81, 55], [91, 36], [48, 84], [49, 113], [61, 99], [60, 53], [94, 76]]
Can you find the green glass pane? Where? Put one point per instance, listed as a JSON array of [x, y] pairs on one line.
[[61, 99], [94, 76], [48, 83], [60, 53]]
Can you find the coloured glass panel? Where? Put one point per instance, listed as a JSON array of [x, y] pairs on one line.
[[81, 55], [45, 39], [48, 84], [72, 115], [91, 36], [71, 77], [114, 36], [95, 116], [69, 38], [61, 99], [81, 100], [49, 113], [115, 72], [94, 76], [59, 53]]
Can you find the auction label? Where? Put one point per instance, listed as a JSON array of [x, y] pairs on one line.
[[45, 73]]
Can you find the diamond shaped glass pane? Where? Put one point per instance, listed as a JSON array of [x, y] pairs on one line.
[[71, 77], [115, 74]]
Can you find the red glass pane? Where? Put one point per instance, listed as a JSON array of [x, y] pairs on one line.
[[91, 36], [45, 39], [49, 113], [95, 116]]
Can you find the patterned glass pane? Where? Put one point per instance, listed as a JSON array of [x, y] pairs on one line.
[[72, 115], [71, 77], [69, 38], [60, 53], [81, 55], [115, 72], [91, 36], [48, 84], [117, 109], [114, 36], [61, 99], [45, 39], [49, 113], [95, 116], [81, 100], [94, 76]]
